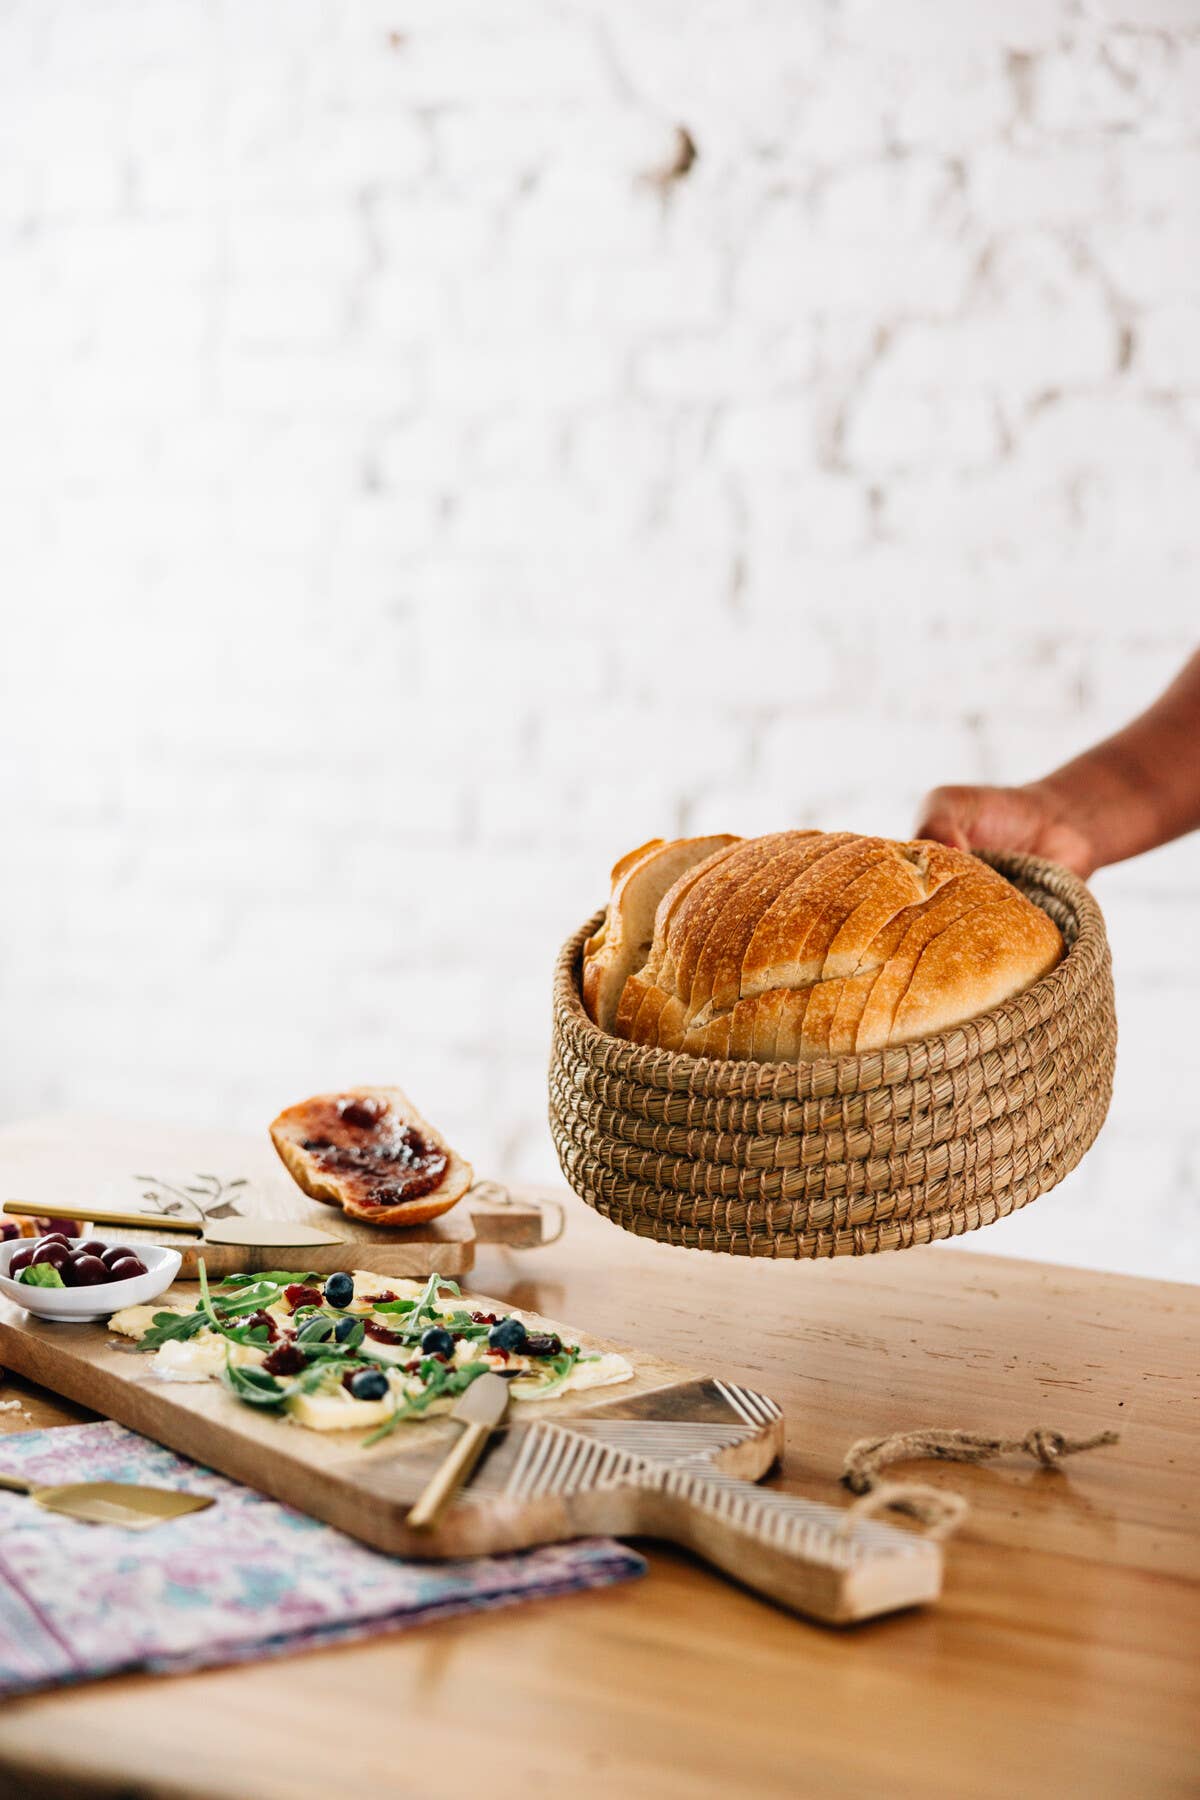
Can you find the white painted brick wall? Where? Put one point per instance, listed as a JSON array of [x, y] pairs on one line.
[[407, 506]]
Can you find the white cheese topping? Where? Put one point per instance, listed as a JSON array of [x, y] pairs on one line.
[[204, 1357]]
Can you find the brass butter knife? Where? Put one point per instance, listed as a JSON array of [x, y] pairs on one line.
[[480, 1410], [110, 1502]]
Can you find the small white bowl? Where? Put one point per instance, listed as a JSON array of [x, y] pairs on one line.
[[77, 1305]]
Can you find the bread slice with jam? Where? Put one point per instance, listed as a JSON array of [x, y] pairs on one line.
[[369, 1151]]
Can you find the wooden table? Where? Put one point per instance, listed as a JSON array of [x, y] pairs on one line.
[[1063, 1660]]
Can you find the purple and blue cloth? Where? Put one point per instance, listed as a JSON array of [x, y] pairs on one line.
[[245, 1579]]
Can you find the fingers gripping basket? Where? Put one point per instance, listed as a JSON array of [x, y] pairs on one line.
[[850, 1154]]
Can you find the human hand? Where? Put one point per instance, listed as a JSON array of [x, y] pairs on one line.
[[1036, 819]]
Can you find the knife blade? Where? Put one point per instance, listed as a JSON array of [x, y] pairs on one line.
[[479, 1410], [248, 1233]]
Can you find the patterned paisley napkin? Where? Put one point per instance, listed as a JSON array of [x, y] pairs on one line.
[[244, 1579]]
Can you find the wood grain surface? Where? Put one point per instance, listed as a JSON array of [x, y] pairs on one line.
[[1061, 1661], [84, 1161]]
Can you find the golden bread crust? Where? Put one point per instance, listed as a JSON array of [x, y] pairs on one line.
[[805, 944]]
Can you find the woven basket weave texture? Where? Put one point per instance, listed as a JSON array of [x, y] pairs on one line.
[[852, 1154]]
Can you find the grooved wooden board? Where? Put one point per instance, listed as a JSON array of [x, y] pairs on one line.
[[670, 1454], [88, 1162]]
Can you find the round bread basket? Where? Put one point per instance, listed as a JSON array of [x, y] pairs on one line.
[[851, 1154]]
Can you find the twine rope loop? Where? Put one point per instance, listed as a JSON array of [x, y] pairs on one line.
[[943, 1512]]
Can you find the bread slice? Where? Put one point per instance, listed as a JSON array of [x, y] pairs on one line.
[[621, 946], [717, 981], [369, 1151]]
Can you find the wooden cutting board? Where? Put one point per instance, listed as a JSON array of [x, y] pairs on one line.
[[671, 1454], [85, 1162]]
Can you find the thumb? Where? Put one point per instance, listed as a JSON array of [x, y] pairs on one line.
[[948, 815]]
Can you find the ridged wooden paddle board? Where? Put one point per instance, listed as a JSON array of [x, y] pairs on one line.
[[672, 1454]]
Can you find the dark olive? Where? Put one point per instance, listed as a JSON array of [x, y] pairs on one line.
[[127, 1268], [83, 1271]]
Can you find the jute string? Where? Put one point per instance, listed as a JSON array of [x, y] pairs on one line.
[[943, 1512]]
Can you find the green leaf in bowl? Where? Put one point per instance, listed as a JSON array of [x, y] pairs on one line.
[[41, 1275]]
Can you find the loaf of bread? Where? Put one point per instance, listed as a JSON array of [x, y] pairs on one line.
[[369, 1151], [807, 943]]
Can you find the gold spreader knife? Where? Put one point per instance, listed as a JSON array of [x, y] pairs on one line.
[[250, 1233], [481, 1409], [111, 1502]]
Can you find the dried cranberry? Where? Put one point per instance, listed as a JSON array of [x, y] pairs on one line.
[[383, 1333], [285, 1359], [297, 1295], [482, 1318], [264, 1318], [543, 1344]]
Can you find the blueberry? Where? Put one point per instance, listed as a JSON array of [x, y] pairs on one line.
[[437, 1342], [509, 1334], [369, 1384], [344, 1329], [339, 1289]]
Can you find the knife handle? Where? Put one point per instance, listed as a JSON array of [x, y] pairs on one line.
[[449, 1476], [55, 1209]]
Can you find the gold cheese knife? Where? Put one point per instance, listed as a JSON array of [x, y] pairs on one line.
[[480, 1409], [110, 1502], [249, 1233]]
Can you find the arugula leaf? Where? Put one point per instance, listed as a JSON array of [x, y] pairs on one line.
[[206, 1305], [166, 1327], [254, 1386], [41, 1275], [315, 1329], [280, 1278], [317, 1375], [443, 1383], [427, 1298], [250, 1299], [562, 1365]]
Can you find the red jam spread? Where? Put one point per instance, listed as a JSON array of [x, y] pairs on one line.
[[357, 1138]]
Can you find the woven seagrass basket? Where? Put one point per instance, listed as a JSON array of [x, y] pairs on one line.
[[850, 1154]]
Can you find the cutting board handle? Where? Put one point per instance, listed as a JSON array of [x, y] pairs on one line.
[[522, 1221], [802, 1554]]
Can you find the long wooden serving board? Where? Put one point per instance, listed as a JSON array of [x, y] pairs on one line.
[[671, 1454], [86, 1163]]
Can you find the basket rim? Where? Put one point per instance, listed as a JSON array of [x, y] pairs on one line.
[[674, 1070]]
